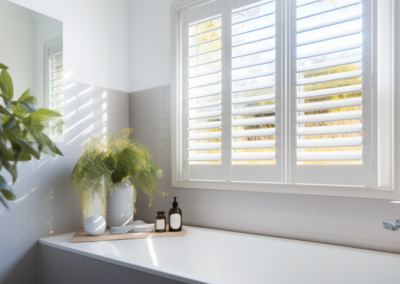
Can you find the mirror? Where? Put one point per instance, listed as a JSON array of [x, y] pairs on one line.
[[32, 48]]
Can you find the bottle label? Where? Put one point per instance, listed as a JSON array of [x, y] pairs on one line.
[[160, 224], [175, 221]]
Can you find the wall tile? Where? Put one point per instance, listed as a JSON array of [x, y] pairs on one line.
[[368, 217], [123, 275], [192, 205], [159, 161], [297, 235], [167, 137], [73, 268], [153, 279], [116, 113], [51, 264], [215, 218], [71, 99], [167, 109], [72, 133], [397, 248], [333, 216], [16, 220], [298, 213], [397, 217], [267, 210], [86, 99], [266, 231], [137, 111], [155, 130], [154, 105], [41, 180], [333, 240], [373, 245], [15, 263], [140, 132], [215, 209], [61, 171], [87, 129], [54, 215], [240, 208], [97, 272]]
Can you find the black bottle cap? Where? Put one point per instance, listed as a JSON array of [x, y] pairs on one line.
[[175, 204], [160, 212]]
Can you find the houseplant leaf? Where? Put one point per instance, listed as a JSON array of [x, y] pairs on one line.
[[6, 85]]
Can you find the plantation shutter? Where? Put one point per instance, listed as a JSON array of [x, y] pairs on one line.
[[331, 92], [255, 94], [202, 49], [55, 78]]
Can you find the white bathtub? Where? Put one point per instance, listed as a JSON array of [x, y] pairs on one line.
[[211, 256]]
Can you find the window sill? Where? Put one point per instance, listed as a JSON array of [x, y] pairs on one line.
[[284, 188]]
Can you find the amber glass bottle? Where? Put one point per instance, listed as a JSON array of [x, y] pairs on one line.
[[161, 222], [175, 217]]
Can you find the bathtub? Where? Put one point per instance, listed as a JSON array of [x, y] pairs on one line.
[[212, 256]]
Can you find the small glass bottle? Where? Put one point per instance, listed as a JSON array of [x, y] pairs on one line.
[[160, 222]]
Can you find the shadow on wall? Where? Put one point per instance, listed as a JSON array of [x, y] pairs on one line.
[[45, 205]]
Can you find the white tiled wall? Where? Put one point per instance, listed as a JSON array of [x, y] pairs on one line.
[[342, 221], [45, 205]]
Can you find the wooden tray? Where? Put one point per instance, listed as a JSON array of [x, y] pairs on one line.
[[81, 236]]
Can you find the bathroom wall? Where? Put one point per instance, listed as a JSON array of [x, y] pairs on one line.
[[348, 222], [45, 205], [96, 39], [96, 58]]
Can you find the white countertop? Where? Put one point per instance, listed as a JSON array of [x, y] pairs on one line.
[[212, 256]]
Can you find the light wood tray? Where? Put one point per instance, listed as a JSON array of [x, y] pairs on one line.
[[81, 236]]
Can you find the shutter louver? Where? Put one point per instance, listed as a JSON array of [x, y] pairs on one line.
[[56, 81], [253, 84], [329, 82], [204, 84]]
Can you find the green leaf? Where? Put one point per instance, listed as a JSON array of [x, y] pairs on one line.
[[2, 66], [19, 111], [25, 95], [45, 113], [7, 88], [29, 106], [10, 155], [6, 190], [12, 169], [25, 145], [51, 145], [9, 124]]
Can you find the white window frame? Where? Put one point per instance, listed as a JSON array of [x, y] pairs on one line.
[[390, 191]]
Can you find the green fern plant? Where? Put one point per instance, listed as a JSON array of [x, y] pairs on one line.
[[22, 132], [109, 159]]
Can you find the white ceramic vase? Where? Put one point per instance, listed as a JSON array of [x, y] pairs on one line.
[[120, 205]]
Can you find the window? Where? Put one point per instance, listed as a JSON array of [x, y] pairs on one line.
[[277, 93], [54, 86]]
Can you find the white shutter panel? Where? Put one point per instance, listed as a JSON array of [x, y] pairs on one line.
[[254, 91], [55, 78], [332, 91], [202, 61]]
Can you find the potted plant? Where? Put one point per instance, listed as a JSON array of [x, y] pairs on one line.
[[110, 167], [22, 132]]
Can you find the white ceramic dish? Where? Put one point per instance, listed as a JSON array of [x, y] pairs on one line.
[[134, 227]]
